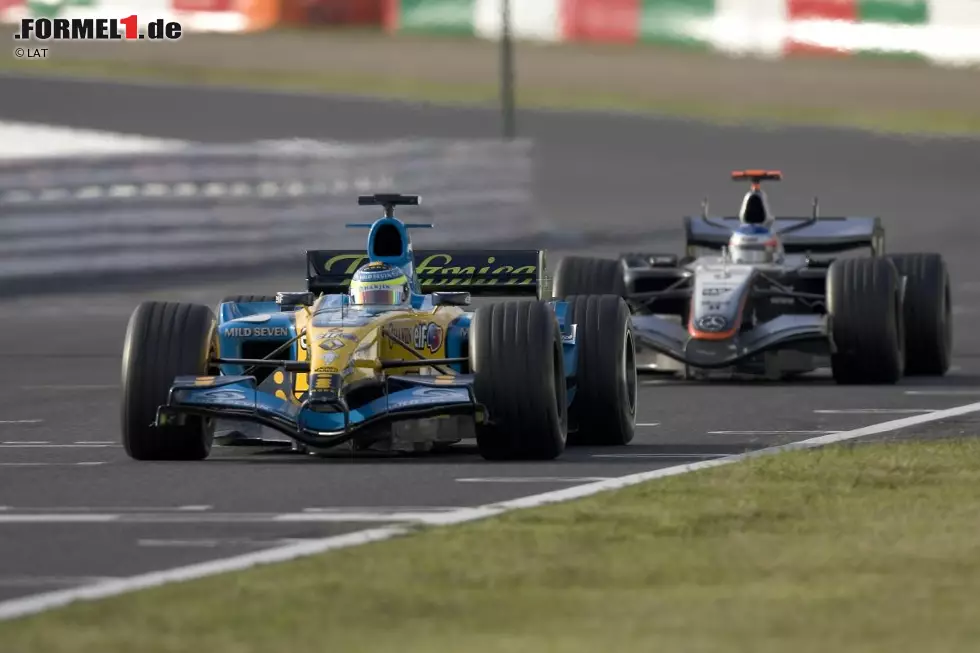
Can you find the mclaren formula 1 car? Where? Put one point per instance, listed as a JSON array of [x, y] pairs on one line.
[[523, 378], [775, 297]]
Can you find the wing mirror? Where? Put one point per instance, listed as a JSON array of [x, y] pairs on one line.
[[450, 299], [290, 300]]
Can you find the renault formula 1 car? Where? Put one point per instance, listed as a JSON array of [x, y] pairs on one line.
[[521, 377], [777, 296]]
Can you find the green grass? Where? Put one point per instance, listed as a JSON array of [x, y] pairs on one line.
[[965, 122], [865, 548]]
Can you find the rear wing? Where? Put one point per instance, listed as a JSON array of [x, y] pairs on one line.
[[825, 235], [485, 273]]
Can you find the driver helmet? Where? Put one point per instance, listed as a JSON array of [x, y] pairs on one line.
[[752, 244], [379, 284]]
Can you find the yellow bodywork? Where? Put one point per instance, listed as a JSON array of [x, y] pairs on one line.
[[351, 343]]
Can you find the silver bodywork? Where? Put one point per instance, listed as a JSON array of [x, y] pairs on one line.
[[729, 339]]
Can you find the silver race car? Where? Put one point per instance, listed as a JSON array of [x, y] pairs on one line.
[[775, 297]]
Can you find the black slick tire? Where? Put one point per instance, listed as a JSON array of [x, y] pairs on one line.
[[865, 312], [582, 275], [516, 355], [927, 313], [165, 340], [603, 411]]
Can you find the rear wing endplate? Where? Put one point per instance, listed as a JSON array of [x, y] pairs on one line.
[[486, 273], [825, 235]]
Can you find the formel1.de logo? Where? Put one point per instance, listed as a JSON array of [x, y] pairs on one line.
[[97, 29]]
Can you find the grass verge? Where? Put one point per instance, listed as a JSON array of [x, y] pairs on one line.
[[862, 548], [897, 120]]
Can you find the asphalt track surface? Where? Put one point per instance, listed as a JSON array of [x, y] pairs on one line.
[[75, 509]]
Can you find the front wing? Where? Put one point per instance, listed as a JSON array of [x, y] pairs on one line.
[[319, 425], [673, 340]]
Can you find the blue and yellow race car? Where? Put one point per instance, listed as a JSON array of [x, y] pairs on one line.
[[339, 363]]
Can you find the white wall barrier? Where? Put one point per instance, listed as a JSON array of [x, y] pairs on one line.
[[208, 207]]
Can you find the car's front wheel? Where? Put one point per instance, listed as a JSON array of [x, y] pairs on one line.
[[165, 340], [865, 312]]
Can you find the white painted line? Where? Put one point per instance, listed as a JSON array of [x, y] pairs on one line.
[[41, 602], [101, 509], [26, 442], [534, 479], [649, 424], [33, 464], [943, 393], [769, 432], [874, 411], [21, 421], [660, 455], [111, 442], [8, 518], [183, 517], [567, 494]]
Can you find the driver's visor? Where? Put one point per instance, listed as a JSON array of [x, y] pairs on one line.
[[758, 247], [381, 296]]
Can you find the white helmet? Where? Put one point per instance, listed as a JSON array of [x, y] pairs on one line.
[[754, 243]]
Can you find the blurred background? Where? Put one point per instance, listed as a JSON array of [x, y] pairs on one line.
[[529, 123]]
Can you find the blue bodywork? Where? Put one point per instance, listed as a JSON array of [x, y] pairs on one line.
[[251, 330]]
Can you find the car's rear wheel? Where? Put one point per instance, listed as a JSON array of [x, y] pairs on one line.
[[603, 411], [165, 340], [582, 275], [865, 313], [516, 355], [928, 319]]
